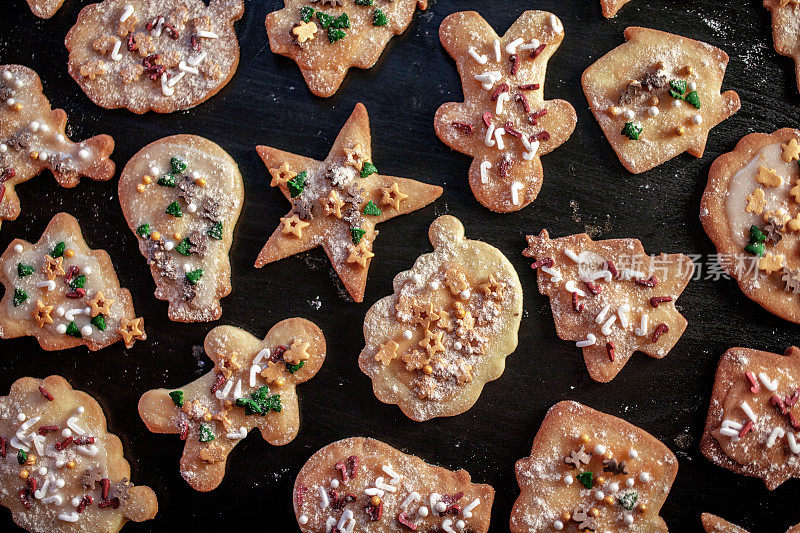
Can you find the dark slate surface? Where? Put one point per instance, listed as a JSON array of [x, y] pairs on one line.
[[268, 103]]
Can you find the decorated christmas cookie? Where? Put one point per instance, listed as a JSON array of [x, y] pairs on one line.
[[657, 96], [610, 7], [32, 139], [159, 55], [589, 471], [715, 524], [751, 211], [786, 29], [64, 293], [447, 329], [44, 9], [753, 424], [504, 122], [60, 468], [327, 37], [361, 484], [181, 196], [252, 386], [336, 203], [611, 297]]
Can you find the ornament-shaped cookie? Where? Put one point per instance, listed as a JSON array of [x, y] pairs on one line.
[[786, 29], [61, 471], [44, 9], [64, 293], [589, 471], [753, 424], [327, 37], [362, 484], [611, 297], [336, 203], [447, 329], [715, 524], [32, 140], [751, 211], [657, 96], [504, 122], [252, 386], [159, 55], [610, 7], [182, 196]]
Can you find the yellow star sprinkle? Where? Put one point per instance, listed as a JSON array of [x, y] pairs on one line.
[[293, 225], [42, 314], [280, 175], [392, 195], [100, 304], [332, 204], [360, 254], [131, 330], [53, 267]]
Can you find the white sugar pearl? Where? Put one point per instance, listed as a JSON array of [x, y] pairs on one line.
[[676, 103], [457, 345], [169, 245], [84, 153], [407, 334], [629, 519], [80, 409], [18, 248], [60, 138], [3, 148], [195, 175], [191, 208], [599, 495], [630, 482], [303, 520], [568, 480], [633, 454], [34, 126], [441, 507], [558, 525], [691, 86], [334, 483], [87, 270], [21, 417], [60, 311], [76, 501], [7, 75], [460, 524], [66, 432], [599, 449], [86, 330], [61, 328], [697, 120], [18, 83], [44, 127], [652, 111], [417, 278], [187, 267], [11, 101], [434, 285], [43, 155], [613, 487], [422, 511], [627, 114], [155, 171], [645, 477], [60, 483], [465, 294], [42, 471]]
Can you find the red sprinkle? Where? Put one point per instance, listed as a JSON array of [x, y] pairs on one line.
[[184, 429], [218, 382], [300, 493], [44, 430], [404, 520], [342, 468], [519, 97], [543, 262], [2, 191], [746, 429], [3, 447], [594, 288], [502, 88], [105, 483], [514, 64], [543, 136], [82, 441], [85, 502], [612, 350], [463, 126], [352, 466], [505, 163], [195, 42], [754, 386], [533, 117], [509, 127], [793, 421], [655, 300], [278, 355], [155, 71], [171, 31], [24, 496], [150, 60], [529, 87], [611, 267], [374, 512], [652, 281], [7, 174], [487, 118], [576, 305], [791, 400], [779, 403], [33, 483], [450, 501], [71, 273], [59, 446], [151, 24], [76, 294], [113, 503], [536, 51], [131, 44], [46, 394], [660, 330]]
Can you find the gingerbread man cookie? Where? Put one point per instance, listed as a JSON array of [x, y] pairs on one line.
[[504, 123], [365, 485], [32, 139], [611, 297], [182, 196], [327, 37], [44, 9], [61, 471], [64, 293], [786, 29], [751, 211], [447, 329], [252, 386], [657, 96], [589, 471], [336, 203], [753, 424], [159, 55], [610, 7]]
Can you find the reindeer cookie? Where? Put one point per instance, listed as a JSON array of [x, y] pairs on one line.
[[715, 524], [32, 139], [504, 122], [657, 96], [751, 211], [252, 386], [44, 9], [610, 7], [159, 55], [611, 297], [64, 293], [589, 471], [336, 203], [447, 329], [61, 470], [365, 485], [753, 424], [182, 196], [786, 29], [327, 37]]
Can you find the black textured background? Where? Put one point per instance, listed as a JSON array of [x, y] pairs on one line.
[[267, 102]]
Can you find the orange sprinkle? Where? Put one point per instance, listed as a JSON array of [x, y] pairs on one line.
[[69, 252], [155, 235]]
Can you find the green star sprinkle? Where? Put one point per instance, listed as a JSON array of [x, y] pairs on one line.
[[194, 276], [174, 209], [628, 500], [73, 331], [363, 2], [357, 234], [632, 131], [24, 270], [177, 165], [368, 169], [167, 180], [372, 209], [216, 231], [78, 282], [586, 478], [177, 397], [297, 184], [379, 18], [58, 251], [206, 434], [19, 297], [143, 230], [99, 322], [306, 12], [184, 247]]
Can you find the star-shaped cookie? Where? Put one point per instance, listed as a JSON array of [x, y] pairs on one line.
[[786, 29], [336, 203], [611, 297], [504, 122], [657, 96], [32, 139], [252, 386], [325, 38]]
